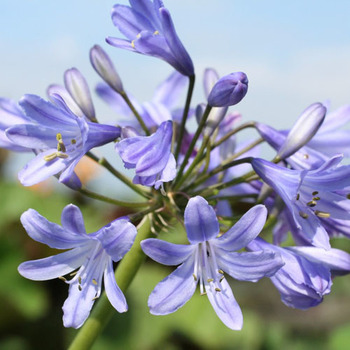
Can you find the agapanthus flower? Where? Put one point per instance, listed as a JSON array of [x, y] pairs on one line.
[[150, 156], [60, 138], [307, 273], [92, 255], [149, 30], [160, 108], [206, 260], [309, 195]]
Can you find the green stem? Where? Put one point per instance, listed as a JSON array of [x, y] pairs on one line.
[[185, 115], [192, 144], [104, 162], [135, 112], [103, 311], [97, 196]]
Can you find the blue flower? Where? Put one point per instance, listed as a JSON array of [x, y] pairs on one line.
[[307, 274], [150, 156], [92, 254], [60, 137], [310, 195], [207, 258], [149, 30]]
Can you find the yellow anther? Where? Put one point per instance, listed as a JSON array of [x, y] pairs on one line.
[[73, 141], [133, 44], [156, 32], [62, 279], [79, 280], [61, 155], [220, 271], [50, 157], [303, 215], [60, 146], [322, 214], [210, 280], [306, 156], [221, 278], [218, 289], [94, 282], [194, 276], [204, 293], [311, 203], [314, 193], [316, 198]]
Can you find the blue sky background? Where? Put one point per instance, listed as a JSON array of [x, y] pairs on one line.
[[294, 52]]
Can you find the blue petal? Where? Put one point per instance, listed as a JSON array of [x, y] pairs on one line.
[[226, 306], [166, 253], [54, 266], [174, 291], [117, 238], [245, 230], [72, 219], [200, 221], [250, 266], [49, 233], [114, 293]]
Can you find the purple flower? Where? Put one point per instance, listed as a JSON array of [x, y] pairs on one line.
[[150, 156], [149, 30], [307, 274], [309, 196], [62, 138], [207, 258], [229, 90], [92, 254]]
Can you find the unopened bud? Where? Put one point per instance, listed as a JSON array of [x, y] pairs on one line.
[[229, 90], [303, 130], [78, 88], [105, 68]]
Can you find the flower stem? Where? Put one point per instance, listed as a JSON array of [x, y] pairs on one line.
[[104, 162], [97, 196], [185, 115], [135, 112], [103, 311]]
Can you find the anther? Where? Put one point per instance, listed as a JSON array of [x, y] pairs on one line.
[[298, 196], [156, 32], [316, 198], [73, 141], [210, 280], [303, 215], [50, 157], [314, 193], [322, 214], [60, 146], [306, 156], [61, 155], [204, 293], [79, 280], [62, 279], [194, 276], [311, 204], [221, 279], [94, 282], [79, 287], [220, 271], [218, 289]]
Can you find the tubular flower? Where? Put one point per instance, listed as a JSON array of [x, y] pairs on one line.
[[150, 156], [149, 30], [61, 137], [310, 196], [92, 254], [206, 259]]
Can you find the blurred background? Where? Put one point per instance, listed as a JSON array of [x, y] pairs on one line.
[[294, 53]]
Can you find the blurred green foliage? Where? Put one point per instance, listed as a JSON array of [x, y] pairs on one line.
[[31, 314]]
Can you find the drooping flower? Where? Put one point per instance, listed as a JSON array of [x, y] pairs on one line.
[[92, 254], [149, 30], [207, 258], [150, 156], [307, 274], [310, 195], [60, 137]]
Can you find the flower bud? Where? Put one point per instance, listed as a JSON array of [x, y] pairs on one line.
[[78, 88], [303, 130], [228, 90], [105, 68]]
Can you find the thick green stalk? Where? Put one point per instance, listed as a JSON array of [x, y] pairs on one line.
[[103, 311]]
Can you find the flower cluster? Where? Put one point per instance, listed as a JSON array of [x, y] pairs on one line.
[[245, 216]]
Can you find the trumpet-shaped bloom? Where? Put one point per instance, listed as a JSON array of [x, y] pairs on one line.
[[149, 30], [92, 254], [310, 195], [60, 138], [307, 274], [150, 156], [206, 259]]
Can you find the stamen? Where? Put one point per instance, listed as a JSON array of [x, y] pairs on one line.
[[203, 293], [62, 279], [156, 32], [220, 271], [210, 280], [322, 214], [133, 44], [303, 215], [311, 203], [79, 287], [195, 277], [79, 280], [50, 157], [94, 282], [298, 196], [60, 146], [61, 155], [306, 156], [221, 279], [95, 298], [218, 289], [73, 273], [316, 198], [73, 141], [314, 193]]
